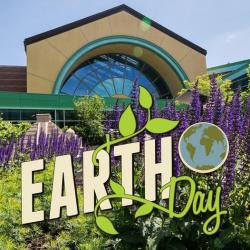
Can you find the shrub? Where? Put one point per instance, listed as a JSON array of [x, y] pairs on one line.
[[90, 114], [155, 231], [204, 86], [77, 232], [9, 131]]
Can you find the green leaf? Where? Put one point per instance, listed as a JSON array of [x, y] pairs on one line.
[[105, 225], [145, 98], [144, 210], [175, 244], [160, 125], [117, 188], [127, 123]]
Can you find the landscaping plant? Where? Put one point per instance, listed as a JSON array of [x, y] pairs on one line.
[[230, 111]]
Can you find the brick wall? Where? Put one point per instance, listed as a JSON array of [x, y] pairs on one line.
[[13, 78]]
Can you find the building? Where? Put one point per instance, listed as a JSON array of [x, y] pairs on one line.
[[99, 55], [236, 72]]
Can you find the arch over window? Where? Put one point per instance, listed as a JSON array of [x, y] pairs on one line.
[[63, 78], [113, 75]]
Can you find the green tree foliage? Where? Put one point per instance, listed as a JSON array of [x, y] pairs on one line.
[[245, 94], [9, 131], [203, 85], [90, 114]]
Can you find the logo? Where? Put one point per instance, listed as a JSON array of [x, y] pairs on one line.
[[203, 147]]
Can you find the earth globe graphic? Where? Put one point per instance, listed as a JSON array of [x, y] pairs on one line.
[[203, 147]]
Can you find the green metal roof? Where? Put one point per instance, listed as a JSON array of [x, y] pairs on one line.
[[232, 71], [228, 67], [237, 73]]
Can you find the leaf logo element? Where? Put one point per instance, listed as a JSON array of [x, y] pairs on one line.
[[105, 225], [144, 210], [117, 188], [127, 123], [145, 98], [161, 125]]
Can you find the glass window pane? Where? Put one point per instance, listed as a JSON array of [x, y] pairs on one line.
[[28, 115], [59, 115], [70, 115], [70, 86], [113, 75], [10, 115]]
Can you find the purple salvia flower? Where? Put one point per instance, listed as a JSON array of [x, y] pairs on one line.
[[154, 108], [134, 95], [229, 170], [172, 111], [225, 120], [141, 117], [210, 106], [117, 114], [219, 104], [22, 147], [167, 110], [29, 143], [195, 106], [236, 111]]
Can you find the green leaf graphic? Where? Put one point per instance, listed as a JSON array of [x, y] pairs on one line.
[[144, 210], [127, 123], [117, 188], [145, 98], [105, 225], [160, 125]]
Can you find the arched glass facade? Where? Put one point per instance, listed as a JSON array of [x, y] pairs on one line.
[[113, 75]]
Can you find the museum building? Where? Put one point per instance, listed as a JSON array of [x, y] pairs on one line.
[[102, 55]]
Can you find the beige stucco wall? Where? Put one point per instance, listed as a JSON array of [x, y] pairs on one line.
[[46, 57]]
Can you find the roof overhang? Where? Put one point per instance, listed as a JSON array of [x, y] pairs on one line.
[[104, 14]]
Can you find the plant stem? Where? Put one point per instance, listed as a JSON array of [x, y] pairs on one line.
[[110, 143], [131, 197]]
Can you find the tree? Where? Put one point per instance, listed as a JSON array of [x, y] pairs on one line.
[[204, 83], [90, 113]]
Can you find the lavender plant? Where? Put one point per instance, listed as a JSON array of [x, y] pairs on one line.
[[37, 147], [158, 230], [228, 115]]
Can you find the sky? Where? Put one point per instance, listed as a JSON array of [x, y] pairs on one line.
[[222, 27]]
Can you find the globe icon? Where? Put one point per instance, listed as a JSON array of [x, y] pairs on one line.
[[203, 147]]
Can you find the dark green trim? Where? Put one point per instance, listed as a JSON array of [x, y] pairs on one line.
[[18, 100], [226, 67], [237, 73], [116, 40]]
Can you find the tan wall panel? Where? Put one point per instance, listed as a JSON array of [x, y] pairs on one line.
[[39, 85], [175, 48], [169, 76], [194, 64], [99, 51], [97, 29], [123, 23], [46, 58], [151, 34], [68, 42], [43, 61]]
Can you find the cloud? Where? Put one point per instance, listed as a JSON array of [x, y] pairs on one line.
[[231, 37], [228, 47]]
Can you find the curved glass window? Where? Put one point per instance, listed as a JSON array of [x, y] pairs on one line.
[[113, 75]]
